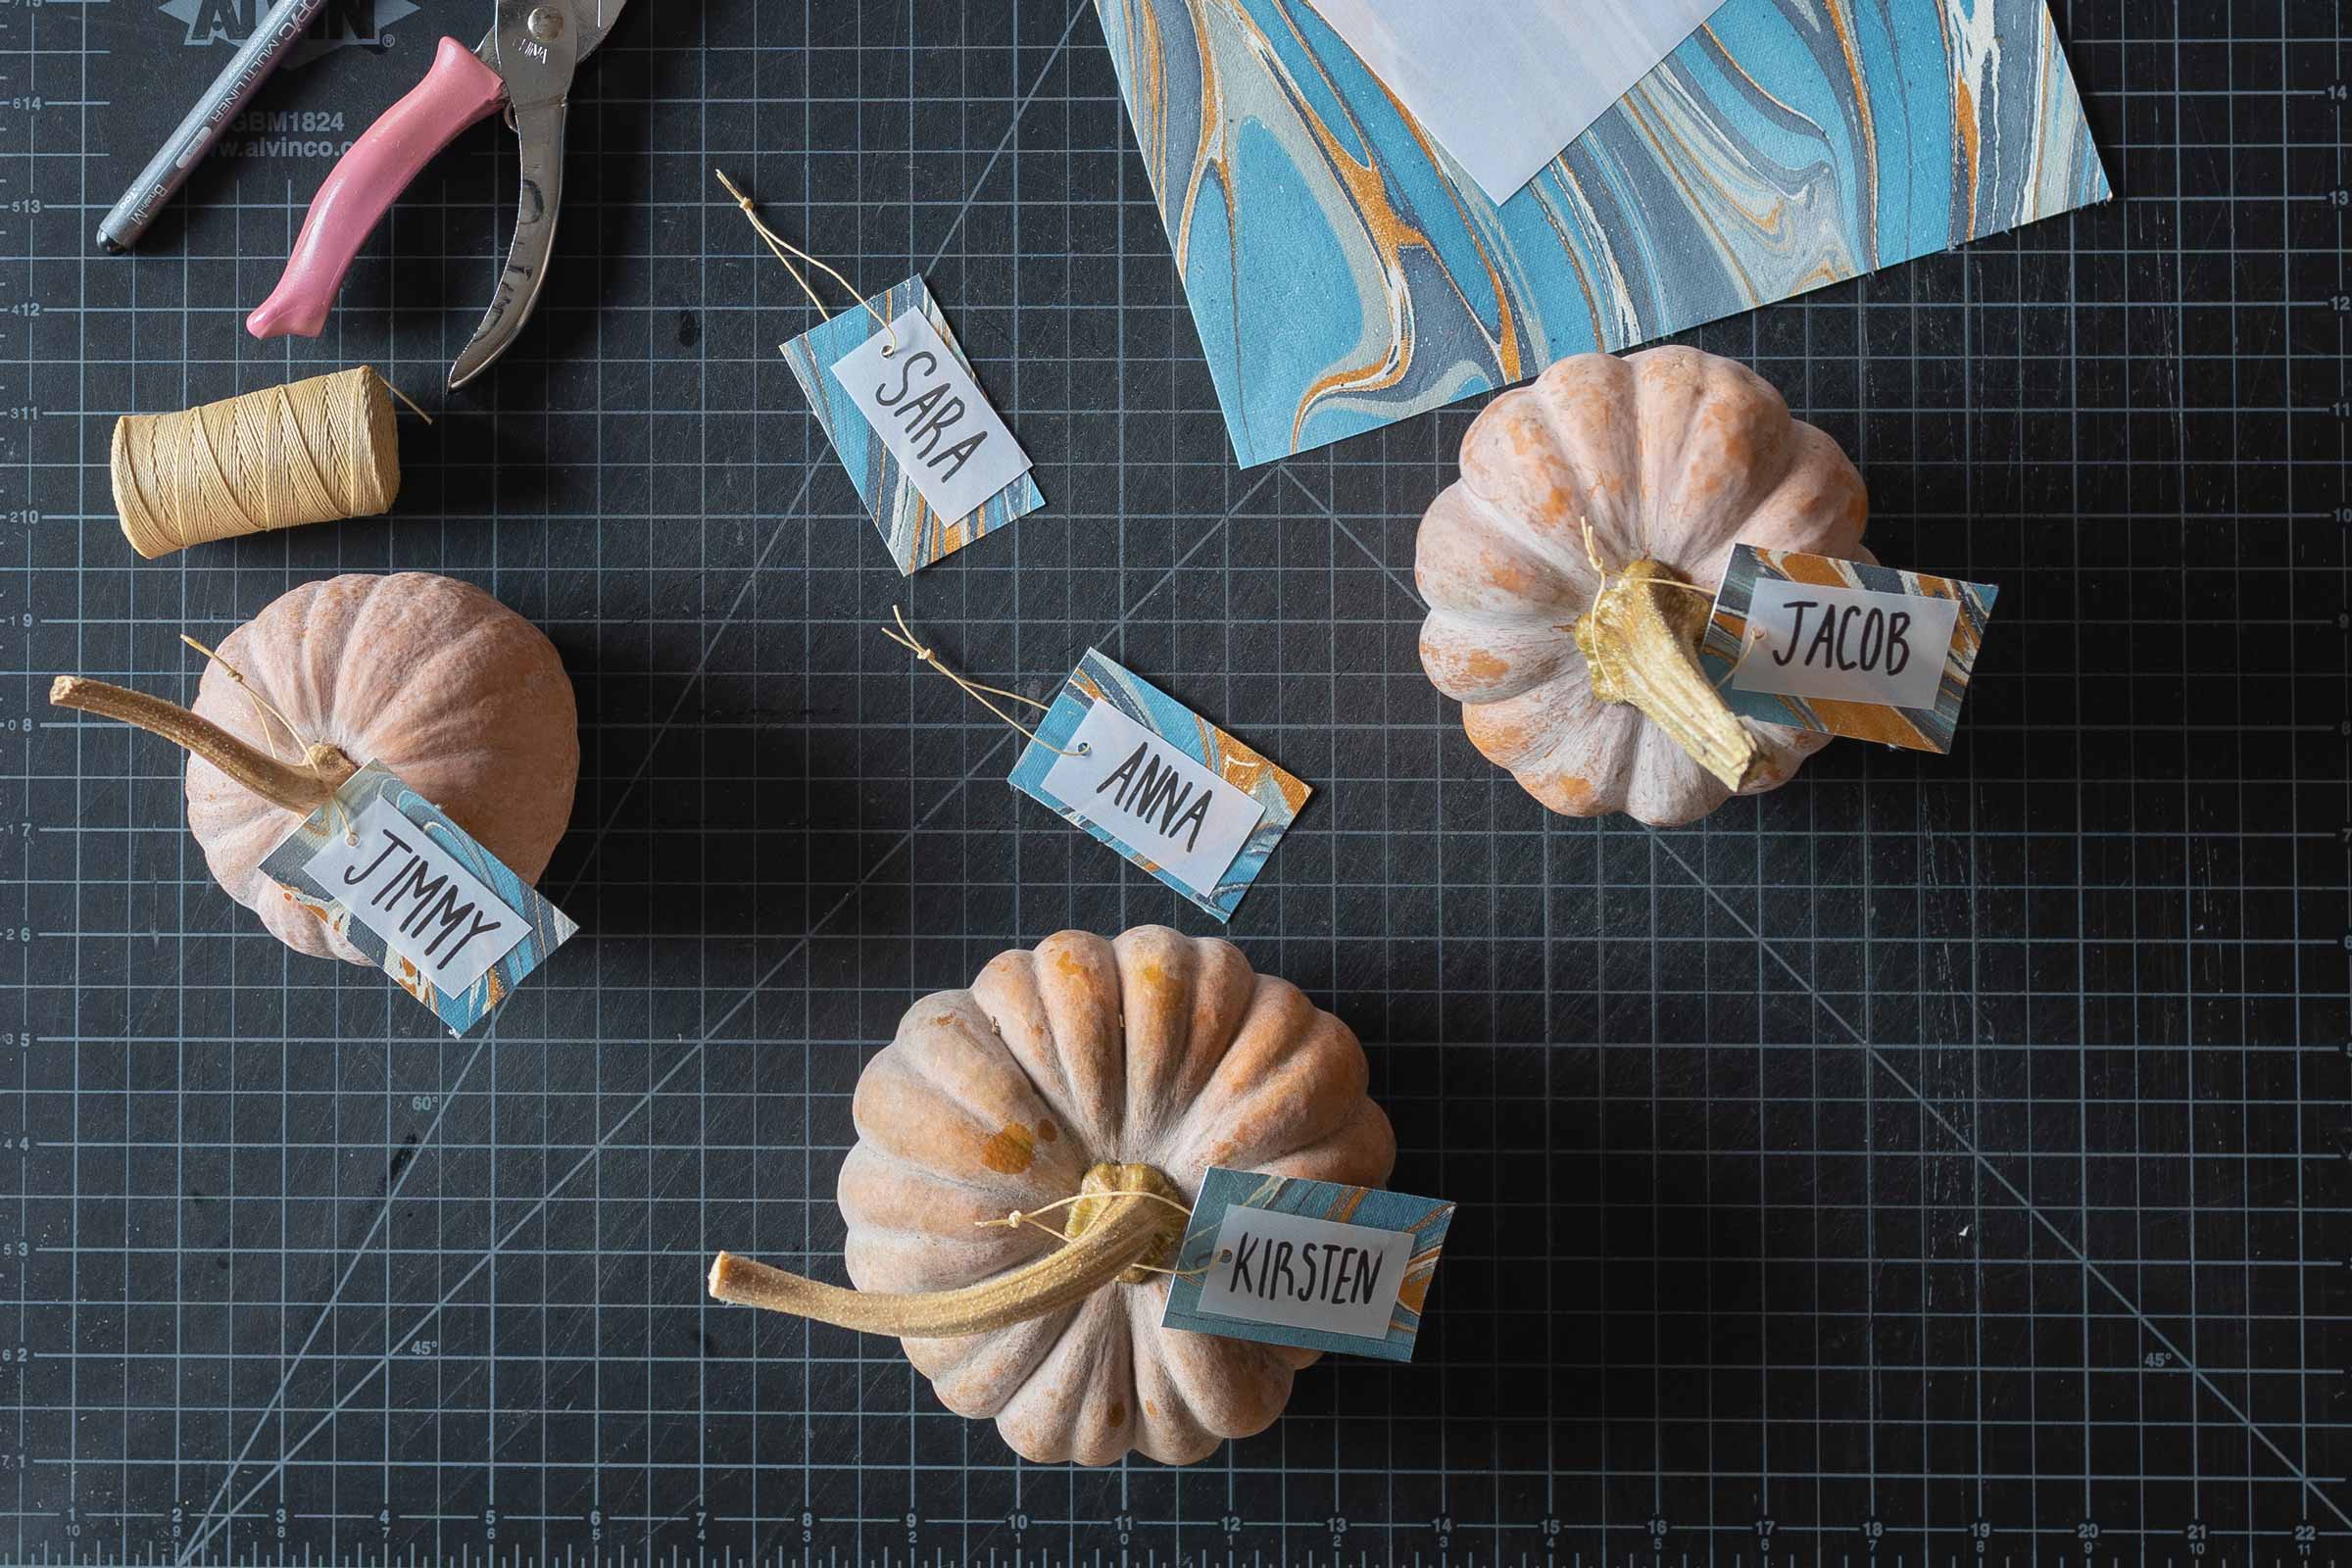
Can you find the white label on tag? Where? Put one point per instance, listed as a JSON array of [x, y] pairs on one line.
[[1158, 801], [1846, 644], [417, 896], [933, 417], [1271, 1267]]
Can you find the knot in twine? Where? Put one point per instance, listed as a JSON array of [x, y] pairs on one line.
[[978, 691], [314, 451]]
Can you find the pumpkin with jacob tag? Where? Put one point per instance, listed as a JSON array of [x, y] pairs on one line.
[[462, 698], [1571, 571], [1086, 1086]]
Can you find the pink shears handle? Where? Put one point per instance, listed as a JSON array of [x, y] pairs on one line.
[[363, 185]]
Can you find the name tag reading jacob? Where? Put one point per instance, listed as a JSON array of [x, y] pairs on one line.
[[428, 909], [1851, 643], [1186, 820], [932, 415], [1846, 646]]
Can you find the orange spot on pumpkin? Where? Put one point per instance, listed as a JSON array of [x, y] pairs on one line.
[[1570, 794], [1011, 1150], [1480, 665]]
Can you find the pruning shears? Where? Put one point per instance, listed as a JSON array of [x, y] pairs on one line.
[[525, 66]]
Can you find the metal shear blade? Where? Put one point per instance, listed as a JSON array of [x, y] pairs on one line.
[[535, 48]]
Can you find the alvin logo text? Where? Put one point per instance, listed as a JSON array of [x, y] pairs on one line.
[[365, 24]]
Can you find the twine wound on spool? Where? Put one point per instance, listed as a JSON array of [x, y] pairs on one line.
[[314, 451]]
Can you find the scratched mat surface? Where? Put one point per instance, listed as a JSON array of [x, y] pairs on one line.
[[1941, 1159]]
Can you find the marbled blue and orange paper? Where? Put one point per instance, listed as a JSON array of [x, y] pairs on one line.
[[1346, 273]]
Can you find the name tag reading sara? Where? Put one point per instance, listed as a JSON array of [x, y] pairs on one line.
[[932, 415], [1187, 821], [428, 909]]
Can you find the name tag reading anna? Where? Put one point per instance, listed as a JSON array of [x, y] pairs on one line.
[[1168, 808], [1197, 808], [932, 415], [428, 909]]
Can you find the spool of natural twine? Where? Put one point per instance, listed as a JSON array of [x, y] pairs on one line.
[[315, 451]]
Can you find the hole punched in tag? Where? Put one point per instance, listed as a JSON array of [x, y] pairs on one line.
[[979, 693], [785, 250]]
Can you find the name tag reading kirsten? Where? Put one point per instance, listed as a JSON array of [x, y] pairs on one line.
[[1320, 1265], [932, 415], [1271, 1267], [428, 909], [1186, 820]]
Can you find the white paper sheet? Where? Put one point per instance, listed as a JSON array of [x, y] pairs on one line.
[[1503, 85]]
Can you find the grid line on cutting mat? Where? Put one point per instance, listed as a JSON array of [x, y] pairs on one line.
[[1935, 1158]]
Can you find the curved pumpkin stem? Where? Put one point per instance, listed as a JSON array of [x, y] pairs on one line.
[[1129, 1227], [1642, 641], [300, 789]]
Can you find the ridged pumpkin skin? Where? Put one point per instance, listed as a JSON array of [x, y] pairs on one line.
[[462, 698], [1155, 1049], [1674, 456]]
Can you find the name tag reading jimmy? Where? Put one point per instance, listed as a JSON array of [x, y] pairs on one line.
[[1156, 781], [408, 890], [1845, 648], [930, 412], [1317, 1264], [384, 869]]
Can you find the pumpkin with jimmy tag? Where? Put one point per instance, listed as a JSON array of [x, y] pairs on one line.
[[433, 679], [1570, 573], [1087, 1086]]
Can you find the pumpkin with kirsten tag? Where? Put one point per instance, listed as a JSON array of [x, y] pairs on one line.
[[456, 694], [1028, 1152], [1571, 572]]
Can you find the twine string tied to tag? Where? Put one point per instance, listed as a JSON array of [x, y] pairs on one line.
[[785, 250], [977, 691], [1016, 1218]]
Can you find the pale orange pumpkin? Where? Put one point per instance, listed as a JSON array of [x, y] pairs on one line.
[[1120, 1069], [1669, 458], [462, 698]]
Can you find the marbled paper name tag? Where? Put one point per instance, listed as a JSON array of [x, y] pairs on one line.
[[383, 867], [934, 464], [1320, 1265], [1156, 781], [1845, 648]]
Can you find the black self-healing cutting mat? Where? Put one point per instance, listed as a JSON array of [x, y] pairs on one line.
[[1938, 1159]]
